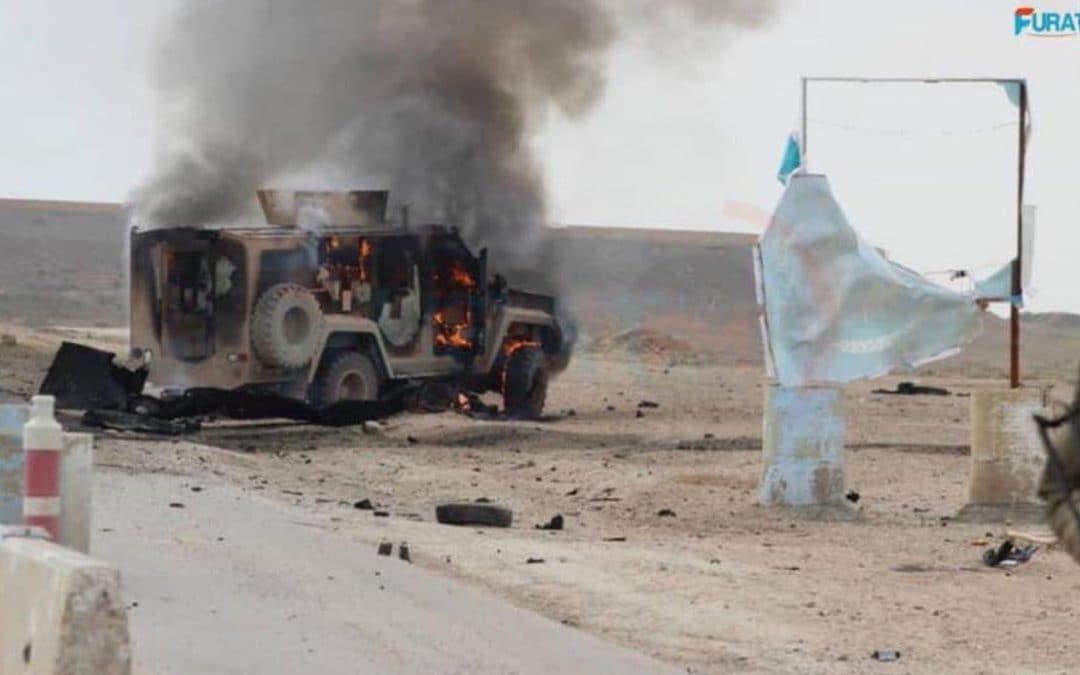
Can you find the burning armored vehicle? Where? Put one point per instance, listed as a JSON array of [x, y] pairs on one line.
[[356, 308]]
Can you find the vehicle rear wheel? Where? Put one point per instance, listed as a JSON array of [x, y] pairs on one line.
[[348, 376], [525, 382]]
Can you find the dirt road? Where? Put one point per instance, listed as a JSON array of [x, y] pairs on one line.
[[236, 583]]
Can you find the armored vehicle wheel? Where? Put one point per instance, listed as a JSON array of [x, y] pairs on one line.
[[286, 326], [348, 376], [525, 381]]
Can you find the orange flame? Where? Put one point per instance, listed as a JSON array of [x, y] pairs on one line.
[[460, 277], [516, 343], [452, 334], [448, 333], [512, 345], [365, 255]]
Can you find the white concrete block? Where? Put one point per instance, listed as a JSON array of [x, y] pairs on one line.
[[803, 446], [1007, 456], [61, 612]]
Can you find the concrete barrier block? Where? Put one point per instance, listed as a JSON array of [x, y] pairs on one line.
[[61, 612], [803, 447], [1007, 456]]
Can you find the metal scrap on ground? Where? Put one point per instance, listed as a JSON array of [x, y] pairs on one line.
[[88, 379]]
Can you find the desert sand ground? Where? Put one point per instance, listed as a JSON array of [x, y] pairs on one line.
[[723, 585]]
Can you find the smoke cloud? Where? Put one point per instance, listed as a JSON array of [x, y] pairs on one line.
[[437, 100]]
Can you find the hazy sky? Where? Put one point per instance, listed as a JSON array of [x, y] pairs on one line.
[[684, 133]]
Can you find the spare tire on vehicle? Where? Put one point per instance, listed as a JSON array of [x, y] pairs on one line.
[[287, 326]]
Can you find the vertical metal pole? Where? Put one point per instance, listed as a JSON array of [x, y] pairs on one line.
[[802, 131], [1014, 312]]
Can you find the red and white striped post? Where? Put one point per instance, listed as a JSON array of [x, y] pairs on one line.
[[43, 445]]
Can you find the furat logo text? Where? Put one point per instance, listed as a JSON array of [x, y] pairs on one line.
[[1029, 21]]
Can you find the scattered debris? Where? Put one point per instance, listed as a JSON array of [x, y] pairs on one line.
[[885, 655], [648, 404], [381, 514], [412, 440], [364, 505], [614, 538], [572, 492], [534, 561], [638, 414], [853, 496], [470, 403], [912, 389], [1008, 555], [84, 378], [118, 420], [711, 442], [176, 505], [386, 548], [665, 513], [490, 515], [403, 552], [556, 523]]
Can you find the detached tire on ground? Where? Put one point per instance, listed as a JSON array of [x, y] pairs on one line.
[[525, 382], [286, 326], [487, 515], [347, 376]]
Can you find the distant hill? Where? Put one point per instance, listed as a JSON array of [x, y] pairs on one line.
[[695, 286], [62, 261]]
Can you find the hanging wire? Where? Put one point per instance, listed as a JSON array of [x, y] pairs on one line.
[[975, 131], [967, 270]]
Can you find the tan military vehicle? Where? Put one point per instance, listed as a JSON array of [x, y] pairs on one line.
[[331, 301]]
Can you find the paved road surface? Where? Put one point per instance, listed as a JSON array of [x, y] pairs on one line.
[[278, 594]]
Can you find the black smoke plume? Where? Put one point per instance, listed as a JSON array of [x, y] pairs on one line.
[[436, 99]]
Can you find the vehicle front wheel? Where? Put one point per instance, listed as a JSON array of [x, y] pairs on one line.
[[525, 382], [348, 376]]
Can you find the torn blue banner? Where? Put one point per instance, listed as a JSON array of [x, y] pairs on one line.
[[836, 309], [792, 159], [998, 286]]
